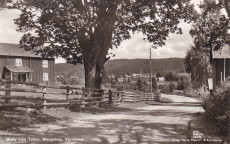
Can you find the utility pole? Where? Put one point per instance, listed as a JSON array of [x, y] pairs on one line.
[[151, 88]]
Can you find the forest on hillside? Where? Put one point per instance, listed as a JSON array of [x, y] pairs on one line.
[[126, 66], [121, 67]]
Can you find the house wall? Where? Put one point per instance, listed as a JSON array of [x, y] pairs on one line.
[[218, 67], [36, 66], [2, 63], [214, 73], [34, 63]]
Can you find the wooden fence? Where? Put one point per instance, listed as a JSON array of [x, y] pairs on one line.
[[28, 94], [40, 95], [139, 96]]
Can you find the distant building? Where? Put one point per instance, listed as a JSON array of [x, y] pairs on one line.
[[136, 75], [74, 77], [20, 65], [127, 76], [161, 79], [120, 79], [112, 76], [146, 76]]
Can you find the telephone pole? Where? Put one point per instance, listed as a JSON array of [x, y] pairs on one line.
[[151, 88]]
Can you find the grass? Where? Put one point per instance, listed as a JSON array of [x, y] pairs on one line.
[[14, 119], [100, 110]]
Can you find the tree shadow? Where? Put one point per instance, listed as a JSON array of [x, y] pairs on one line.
[[124, 127]]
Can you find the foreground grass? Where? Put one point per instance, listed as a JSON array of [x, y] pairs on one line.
[[14, 119]]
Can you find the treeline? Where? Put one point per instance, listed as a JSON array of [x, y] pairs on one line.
[[167, 68], [126, 66]]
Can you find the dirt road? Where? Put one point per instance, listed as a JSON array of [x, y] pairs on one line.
[[140, 123]]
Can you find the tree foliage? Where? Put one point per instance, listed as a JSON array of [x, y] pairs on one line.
[[220, 4], [154, 84], [197, 64], [217, 110], [82, 31], [210, 28], [3, 3], [139, 84]]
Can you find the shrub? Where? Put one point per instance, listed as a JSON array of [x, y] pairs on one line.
[[160, 86], [172, 87], [217, 110], [154, 84], [139, 84], [120, 88], [165, 89]]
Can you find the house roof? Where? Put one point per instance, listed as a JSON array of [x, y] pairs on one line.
[[19, 69], [222, 53], [7, 49]]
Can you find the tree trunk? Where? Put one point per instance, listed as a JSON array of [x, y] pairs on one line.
[[90, 67], [99, 44], [89, 75], [100, 73]]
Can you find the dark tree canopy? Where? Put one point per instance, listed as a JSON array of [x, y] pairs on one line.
[[82, 31]]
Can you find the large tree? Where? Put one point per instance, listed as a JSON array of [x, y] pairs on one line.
[[82, 31], [197, 64], [210, 30], [210, 33]]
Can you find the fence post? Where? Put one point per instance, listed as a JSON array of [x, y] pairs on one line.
[[67, 93], [43, 96], [83, 97], [102, 95], [110, 97], [7, 93], [134, 96], [139, 96]]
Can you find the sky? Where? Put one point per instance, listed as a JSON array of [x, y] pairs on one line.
[[134, 48]]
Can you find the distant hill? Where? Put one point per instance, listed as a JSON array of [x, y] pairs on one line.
[[64, 67], [129, 66], [126, 66]]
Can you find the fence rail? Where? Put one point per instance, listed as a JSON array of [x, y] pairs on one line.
[[40, 95], [138, 96]]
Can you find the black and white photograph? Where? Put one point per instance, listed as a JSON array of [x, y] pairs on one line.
[[114, 71]]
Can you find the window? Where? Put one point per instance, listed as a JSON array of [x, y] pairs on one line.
[[45, 77], [18, 62], [45, 63]]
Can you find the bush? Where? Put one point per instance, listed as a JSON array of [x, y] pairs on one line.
[[154, 84], [217, 110], [165, 89], [172, 87], [120, 88]]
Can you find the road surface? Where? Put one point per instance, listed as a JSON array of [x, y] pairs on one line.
[[140, 123]]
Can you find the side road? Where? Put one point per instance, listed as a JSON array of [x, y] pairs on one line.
[[131, 123]]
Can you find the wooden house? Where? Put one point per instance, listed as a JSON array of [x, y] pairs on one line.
[[18, 64], [221, 65]]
